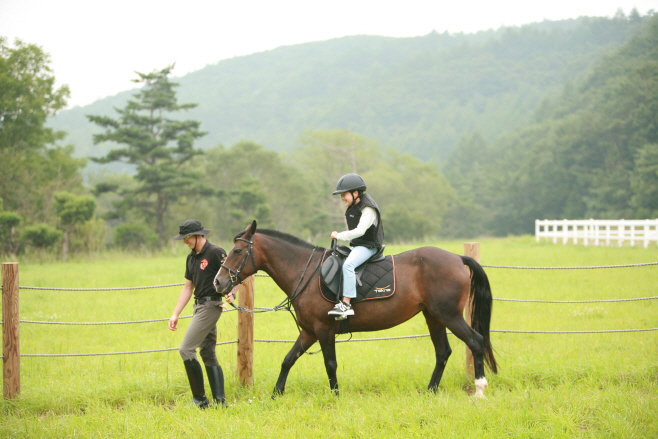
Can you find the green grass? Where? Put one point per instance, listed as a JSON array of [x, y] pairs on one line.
[[566, 385]]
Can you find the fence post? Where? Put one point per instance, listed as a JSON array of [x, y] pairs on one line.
[[537, 230], [246, 332], [471, 249], [11, 370], [622, 232]]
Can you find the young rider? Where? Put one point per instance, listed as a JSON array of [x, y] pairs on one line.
[[366, 235]]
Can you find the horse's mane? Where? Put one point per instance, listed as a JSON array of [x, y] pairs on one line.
[[286, 237]]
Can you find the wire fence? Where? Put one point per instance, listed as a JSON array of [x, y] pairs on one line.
[[402, 337], [514, 267], [40, 322], [587, 267], [340, 341]]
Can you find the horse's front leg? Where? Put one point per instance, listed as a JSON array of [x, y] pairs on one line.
[[328, 344], [303, 343]]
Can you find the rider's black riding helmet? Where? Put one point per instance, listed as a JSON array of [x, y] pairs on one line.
[[349, 183]]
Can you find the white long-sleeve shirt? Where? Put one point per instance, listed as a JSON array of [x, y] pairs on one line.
[[368, 218]]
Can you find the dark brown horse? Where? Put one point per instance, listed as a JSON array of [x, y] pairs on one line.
[[428, 280]]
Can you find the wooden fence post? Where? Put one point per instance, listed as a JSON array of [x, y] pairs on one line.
[[471, 249], [246, 332], [11, 370]]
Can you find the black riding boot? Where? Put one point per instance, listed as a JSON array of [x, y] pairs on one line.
[[216, 380], [195, 376]]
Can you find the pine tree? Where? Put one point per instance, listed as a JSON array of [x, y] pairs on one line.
[[156, 144]]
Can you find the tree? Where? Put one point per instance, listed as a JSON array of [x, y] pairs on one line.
[[8, 223], [72, 210], [635, 16], [286, 194], [41, 236], [157, 145], [31, 170], [644, 182], [326, 155], [27, 97], [412, 195], [134, 235], [249, 201]]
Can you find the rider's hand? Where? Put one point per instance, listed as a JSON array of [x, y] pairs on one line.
[[334, 235], [173, 321]]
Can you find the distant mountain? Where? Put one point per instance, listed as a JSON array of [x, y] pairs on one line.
[[418, 95], [592, 152]]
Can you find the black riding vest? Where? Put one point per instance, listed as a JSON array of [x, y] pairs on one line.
[[374, 236]]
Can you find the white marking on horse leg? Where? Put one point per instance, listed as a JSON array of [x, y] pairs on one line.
[[480, 386]]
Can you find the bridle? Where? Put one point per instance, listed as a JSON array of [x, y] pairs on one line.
[[235, 275]]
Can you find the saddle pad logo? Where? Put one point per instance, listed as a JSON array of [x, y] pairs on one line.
[[386, 289], [204, 264]]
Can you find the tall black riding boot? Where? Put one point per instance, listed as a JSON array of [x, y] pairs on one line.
[[195, 376], [216, 380]]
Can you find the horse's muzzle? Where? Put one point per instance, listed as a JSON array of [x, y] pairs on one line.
[[222, 286]]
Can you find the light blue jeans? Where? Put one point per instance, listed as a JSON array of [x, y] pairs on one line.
[[357, 257]]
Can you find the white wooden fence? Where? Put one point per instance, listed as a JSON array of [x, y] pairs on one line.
[[598, 232]]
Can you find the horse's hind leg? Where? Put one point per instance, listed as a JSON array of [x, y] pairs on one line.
[[441, 348], [475, 343], [297, 350]]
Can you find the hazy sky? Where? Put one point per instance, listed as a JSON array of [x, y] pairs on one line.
[[96, 46]]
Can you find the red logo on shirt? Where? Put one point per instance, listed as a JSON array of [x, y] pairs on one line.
[[204, 264]]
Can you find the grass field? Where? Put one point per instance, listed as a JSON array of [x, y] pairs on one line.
[[549, 385]]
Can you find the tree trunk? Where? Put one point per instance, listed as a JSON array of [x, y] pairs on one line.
[[65, 245], [14, 244], [160, 211]]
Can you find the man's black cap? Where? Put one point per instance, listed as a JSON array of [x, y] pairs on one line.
[[191, 227]]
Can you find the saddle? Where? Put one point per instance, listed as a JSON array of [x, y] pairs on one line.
[[375, 278]]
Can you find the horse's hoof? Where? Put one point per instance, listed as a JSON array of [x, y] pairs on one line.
[[480, 386]]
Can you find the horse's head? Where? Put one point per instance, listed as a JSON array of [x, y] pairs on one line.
[[240, 263]]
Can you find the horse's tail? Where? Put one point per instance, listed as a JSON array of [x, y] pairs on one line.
[[481, 304]]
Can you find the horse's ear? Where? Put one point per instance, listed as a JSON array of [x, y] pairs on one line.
[[251, 228]]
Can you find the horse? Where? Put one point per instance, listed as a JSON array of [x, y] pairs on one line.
[[428, 280]]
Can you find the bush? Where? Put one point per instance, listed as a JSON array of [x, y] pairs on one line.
[[133, 235], [41, 236], [401, 225]]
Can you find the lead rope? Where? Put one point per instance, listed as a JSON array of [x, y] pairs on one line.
[[287, 302]]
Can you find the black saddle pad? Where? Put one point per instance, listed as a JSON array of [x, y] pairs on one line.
[[377, 282]]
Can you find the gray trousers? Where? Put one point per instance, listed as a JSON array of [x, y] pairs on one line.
[[202, 333]]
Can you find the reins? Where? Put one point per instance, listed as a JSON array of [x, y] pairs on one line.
[[286, 304]]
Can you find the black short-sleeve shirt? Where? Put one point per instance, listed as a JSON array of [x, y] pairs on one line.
[[202, 268]]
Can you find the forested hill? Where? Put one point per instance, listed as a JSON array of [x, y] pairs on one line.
[[593, 152], [418, 95]]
